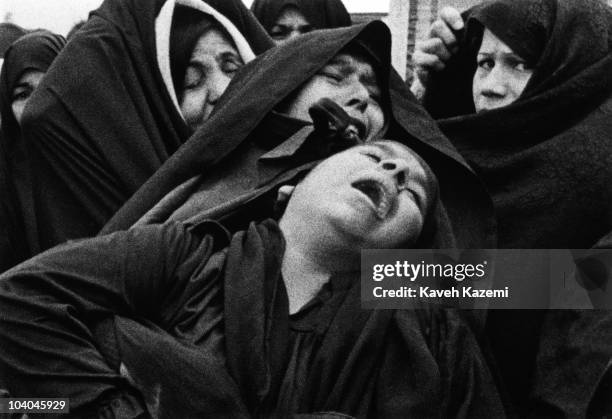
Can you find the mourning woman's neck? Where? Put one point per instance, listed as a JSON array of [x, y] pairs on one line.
[[309, 261]]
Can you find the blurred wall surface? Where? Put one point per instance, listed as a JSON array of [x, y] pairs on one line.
[[411, 22]]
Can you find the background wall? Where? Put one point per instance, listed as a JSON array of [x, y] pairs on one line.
[[409, 20]]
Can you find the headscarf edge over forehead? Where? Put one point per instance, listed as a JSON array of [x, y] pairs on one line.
[[251, 96], [523, 25], [162, 38], [321, 14]]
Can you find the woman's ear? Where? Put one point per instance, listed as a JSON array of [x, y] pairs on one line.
[[284, 193], [282, 198]]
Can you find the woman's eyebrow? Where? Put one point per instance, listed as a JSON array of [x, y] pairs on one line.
[[386, 148], [230, 54], [514, 56], [348, 67]]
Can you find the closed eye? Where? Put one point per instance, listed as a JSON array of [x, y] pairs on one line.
[[280, 32], [373, 157], [334, 76], [230, 66]]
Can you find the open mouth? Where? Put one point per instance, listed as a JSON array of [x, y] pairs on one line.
[[377, 193]]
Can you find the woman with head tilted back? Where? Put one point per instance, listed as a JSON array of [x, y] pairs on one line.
[[286, 19], [172, 321], [522, 88], [25, 63], [132, 85]]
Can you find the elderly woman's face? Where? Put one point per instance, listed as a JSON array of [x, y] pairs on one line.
[[353, 84], [290, 24], [25, 86], [213, 64], [501, 75], [375, 195]]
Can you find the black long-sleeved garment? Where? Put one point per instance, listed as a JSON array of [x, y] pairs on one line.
[[199, 322]]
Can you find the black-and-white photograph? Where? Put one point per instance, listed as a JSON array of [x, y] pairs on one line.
[[308, 209]]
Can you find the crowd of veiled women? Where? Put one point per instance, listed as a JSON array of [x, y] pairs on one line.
[[186, 187]]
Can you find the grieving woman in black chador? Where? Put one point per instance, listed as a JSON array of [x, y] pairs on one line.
[[132, 85], [542, 150], [255, 137], [522, 89], [176, 321], [25, 63], [286, 19]]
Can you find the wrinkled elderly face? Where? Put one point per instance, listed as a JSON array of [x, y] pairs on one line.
[[25, 86], [213, 64], [501, 75], [290, 24], [352, 83], [371, 196]]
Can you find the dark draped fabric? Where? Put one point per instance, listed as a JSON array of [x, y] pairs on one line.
[[245, 126], [198, 324], [546, 160], [35, 51], [321, 14], [103, 120], [9, 33]]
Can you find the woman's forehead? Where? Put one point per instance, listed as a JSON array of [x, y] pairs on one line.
[[492, 44], [354, 61]]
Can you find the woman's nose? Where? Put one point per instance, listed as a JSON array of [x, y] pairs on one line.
[[495, 83], [292, 35], [217, 86], [397, 168], [358, 96]]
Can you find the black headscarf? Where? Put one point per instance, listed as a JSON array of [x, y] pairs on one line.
[[9, 33], [106, 116], [274, 76], [34, 51], [547, 162], [321, 14]]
